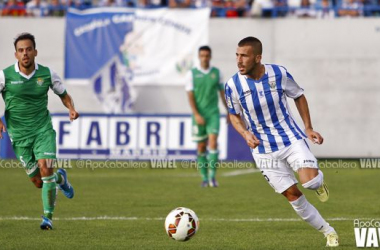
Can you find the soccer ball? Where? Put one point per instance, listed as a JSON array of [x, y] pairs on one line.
[[181, 224]]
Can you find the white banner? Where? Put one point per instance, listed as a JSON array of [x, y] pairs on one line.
[[149, 47]]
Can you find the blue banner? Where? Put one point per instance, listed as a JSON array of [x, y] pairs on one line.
[[93, 39]]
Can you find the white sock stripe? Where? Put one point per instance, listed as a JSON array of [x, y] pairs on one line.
[[49, 179]]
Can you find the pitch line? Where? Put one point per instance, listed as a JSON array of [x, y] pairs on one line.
[[241, 172], [122, 218]]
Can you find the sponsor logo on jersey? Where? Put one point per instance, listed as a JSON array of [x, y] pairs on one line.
[[272, 84], [247, 93], [17, 82], [308, 161], [229, 103], [49, 153], [213, 76], [40, 81]]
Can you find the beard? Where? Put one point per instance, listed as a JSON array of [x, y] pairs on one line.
[[27, 64]]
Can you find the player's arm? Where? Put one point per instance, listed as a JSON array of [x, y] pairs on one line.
[[222, 95], [2, 129], [303, 109], [60, 90], [234, 110], [238, 124], [190, 94], [198, 118], [2, 85], [69, 103]]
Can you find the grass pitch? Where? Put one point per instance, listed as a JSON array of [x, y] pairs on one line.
[[126, 208]]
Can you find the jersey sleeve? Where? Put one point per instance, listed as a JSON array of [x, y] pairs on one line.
[[189, 81], [2, 81], [57, 84], [232, 99], [292, 89]]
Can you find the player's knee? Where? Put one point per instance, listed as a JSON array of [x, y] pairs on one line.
[[202, 146], [45, 170], [314, 183], [292, 193]]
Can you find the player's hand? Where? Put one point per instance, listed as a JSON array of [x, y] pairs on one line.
[[2, 129], [251, 139], [199, 119], [73, 115], [314, 136]]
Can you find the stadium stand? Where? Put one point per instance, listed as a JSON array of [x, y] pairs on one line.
[[220, 8]]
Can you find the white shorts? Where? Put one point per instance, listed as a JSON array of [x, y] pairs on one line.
[[278, 167]]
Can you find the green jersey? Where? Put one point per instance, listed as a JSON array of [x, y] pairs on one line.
[[205, 84], [26, 99]]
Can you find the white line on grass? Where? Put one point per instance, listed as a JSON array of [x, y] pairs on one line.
[[241, 172], [121, 218]]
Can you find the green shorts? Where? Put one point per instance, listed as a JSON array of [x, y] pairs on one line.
[[31, 149], [201, 132]]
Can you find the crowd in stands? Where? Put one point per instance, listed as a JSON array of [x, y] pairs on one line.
[[220, 8]]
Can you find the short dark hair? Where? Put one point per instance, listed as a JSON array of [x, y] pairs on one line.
[[254, 42], [205, 47], [24, 36]]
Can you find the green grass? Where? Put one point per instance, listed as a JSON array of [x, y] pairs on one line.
[[150, 194]]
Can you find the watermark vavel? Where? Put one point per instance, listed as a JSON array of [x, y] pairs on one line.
[[62, 163], [370, 163], [367, 233], [163, 163]]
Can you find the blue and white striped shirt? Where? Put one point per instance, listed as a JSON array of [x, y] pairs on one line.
[[264, 107]]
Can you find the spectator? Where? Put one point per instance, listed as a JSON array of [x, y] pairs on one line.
[[305, 10], [111, 3], [351, 8], [262, 8], [217, 8], [202, 3], [241, 7], [14, 8], [230, 9], [325, 10], [77, 4], [56, 8], [152, 3], [179, 3], [37, 8]]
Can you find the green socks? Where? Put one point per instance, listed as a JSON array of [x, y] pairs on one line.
[[207, 165], [202, 166], [49, 195], [212, 160]]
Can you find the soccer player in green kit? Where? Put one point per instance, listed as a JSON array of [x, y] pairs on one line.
[[24, 87], [203, 84]]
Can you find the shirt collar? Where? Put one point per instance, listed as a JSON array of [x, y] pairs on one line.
[[204, 71], [17, 69]]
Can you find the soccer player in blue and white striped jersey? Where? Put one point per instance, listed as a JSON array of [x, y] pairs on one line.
[[256, 97]]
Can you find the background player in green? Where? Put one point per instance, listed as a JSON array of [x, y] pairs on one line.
[[203, 84], [24, 88]]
